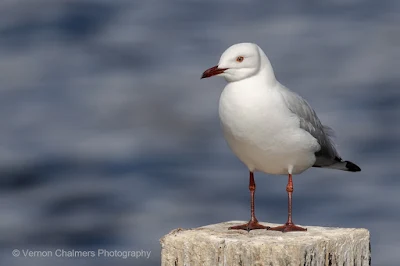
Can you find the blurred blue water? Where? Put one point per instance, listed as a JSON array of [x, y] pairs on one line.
[[110, 140]]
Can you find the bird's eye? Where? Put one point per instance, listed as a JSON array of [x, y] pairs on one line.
[[239, 59]]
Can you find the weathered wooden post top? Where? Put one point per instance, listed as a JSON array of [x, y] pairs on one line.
[[215, 245]]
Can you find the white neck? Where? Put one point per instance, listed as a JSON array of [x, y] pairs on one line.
[[266, 72]]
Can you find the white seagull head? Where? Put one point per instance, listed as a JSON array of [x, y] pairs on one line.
[[241, 61]]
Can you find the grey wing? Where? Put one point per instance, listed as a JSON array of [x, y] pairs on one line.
[[310, 122]]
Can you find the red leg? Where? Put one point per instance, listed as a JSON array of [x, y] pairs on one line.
[[289, 225], [253, 223]]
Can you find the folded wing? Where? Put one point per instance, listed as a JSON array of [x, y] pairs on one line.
[[310, 122]]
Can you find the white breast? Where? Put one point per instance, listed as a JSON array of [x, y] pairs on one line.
[[262, 132]]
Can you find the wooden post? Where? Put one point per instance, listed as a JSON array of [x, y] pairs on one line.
[[214, 245]]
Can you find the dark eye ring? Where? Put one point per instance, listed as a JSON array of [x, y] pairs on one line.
[[239, 59]]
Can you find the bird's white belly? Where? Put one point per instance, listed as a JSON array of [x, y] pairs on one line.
[[265, 138], [267, 159]]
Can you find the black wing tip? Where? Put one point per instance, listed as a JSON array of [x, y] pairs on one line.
[[352, 167]]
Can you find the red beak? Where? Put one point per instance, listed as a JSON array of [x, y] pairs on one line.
[[212, 72]]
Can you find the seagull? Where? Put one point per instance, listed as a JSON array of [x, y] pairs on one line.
[[270, 128]]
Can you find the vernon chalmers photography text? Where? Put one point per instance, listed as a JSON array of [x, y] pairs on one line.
[[65, 253]]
